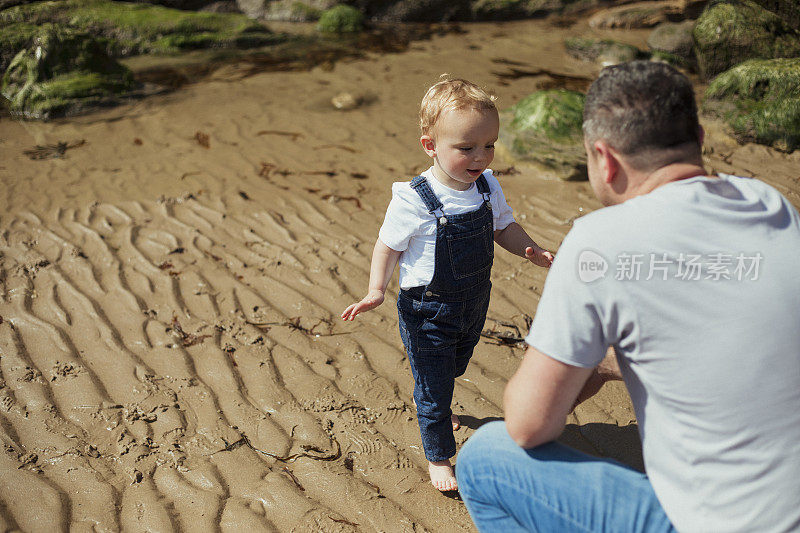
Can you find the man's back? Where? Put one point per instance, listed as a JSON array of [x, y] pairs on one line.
[[702, 302]]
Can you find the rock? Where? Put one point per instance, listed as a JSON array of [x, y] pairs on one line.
[[186, 5], [603, 51], [346, 101], [760, 101], [341, 19], [513, 9], [673, 38], [672, 59], [14, 37], [638, 15], [647, 14], [127, 29], [732, 31], [62, 70], [788, 10], [416, 10], [285, 10], [221, 6], [255, 9], [544, 130]]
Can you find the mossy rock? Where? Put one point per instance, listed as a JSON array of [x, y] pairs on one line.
[[760, 101], [674, 38], [61, 71], [13, 38], [604, 51], [730, 32], [545, 129], [341, 19], [127, 29], [788, 10], [672, 59]]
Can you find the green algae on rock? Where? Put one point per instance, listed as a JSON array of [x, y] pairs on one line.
[[79, 71], [63, 70], [760, 101], [788, 10], [732, 31], [341, 19], [604, 51], [544, 129], [128, 29], [13, 38]]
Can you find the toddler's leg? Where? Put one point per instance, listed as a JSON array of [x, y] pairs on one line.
[[474, 321], [433, 394], [432, 357], [453, 418]]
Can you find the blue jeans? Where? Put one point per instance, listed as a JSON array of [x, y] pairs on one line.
[[439, 338], [551, 488]]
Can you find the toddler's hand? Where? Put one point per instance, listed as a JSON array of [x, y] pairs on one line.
[[373, 299], [539, 256]]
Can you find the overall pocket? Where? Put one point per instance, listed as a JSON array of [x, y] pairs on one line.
[[471, 253]]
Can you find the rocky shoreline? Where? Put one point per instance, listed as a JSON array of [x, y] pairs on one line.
[[62, 57]]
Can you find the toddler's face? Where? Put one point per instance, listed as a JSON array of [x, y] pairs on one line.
[[463, 145]]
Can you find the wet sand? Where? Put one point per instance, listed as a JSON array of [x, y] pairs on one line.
[[170, 353]]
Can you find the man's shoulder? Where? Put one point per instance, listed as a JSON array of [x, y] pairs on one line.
[[604, 223]]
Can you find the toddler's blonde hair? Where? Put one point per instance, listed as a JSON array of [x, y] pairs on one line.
[[451, 93]]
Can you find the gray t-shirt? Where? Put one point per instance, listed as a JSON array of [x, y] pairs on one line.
[[697, 286]]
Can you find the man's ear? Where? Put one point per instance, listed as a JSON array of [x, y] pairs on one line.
[[608, 161], [428, 145]]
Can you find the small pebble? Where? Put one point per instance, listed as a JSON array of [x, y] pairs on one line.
[[345, 101]]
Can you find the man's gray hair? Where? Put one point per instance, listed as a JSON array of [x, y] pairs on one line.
[[642, 108]]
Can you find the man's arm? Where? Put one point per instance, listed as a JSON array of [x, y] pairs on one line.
[[539, 397], [607, 370]]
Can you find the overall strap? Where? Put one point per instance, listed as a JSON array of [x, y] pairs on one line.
[[483, 187], [421, 186]]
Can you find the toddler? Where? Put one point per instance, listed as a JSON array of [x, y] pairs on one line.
[[442, 227]]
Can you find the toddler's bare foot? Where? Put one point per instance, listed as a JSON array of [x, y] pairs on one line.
[[443, 477]]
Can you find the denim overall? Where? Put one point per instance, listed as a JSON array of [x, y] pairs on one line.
[[441, 323]]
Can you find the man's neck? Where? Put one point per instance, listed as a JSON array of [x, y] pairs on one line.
[[668, 174]]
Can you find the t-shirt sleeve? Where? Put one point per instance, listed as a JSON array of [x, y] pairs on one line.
[[404, 218], [568, 325], [503, 214]]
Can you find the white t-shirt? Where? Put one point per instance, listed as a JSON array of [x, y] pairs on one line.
[[696, 285], [409, 228]]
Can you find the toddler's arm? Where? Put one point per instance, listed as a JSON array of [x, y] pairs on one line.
[[517, 241], [384, 259]]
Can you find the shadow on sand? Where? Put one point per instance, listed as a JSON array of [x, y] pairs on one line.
[[599, 439]]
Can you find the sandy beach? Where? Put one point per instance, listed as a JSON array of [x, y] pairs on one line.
[[171, 357]]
